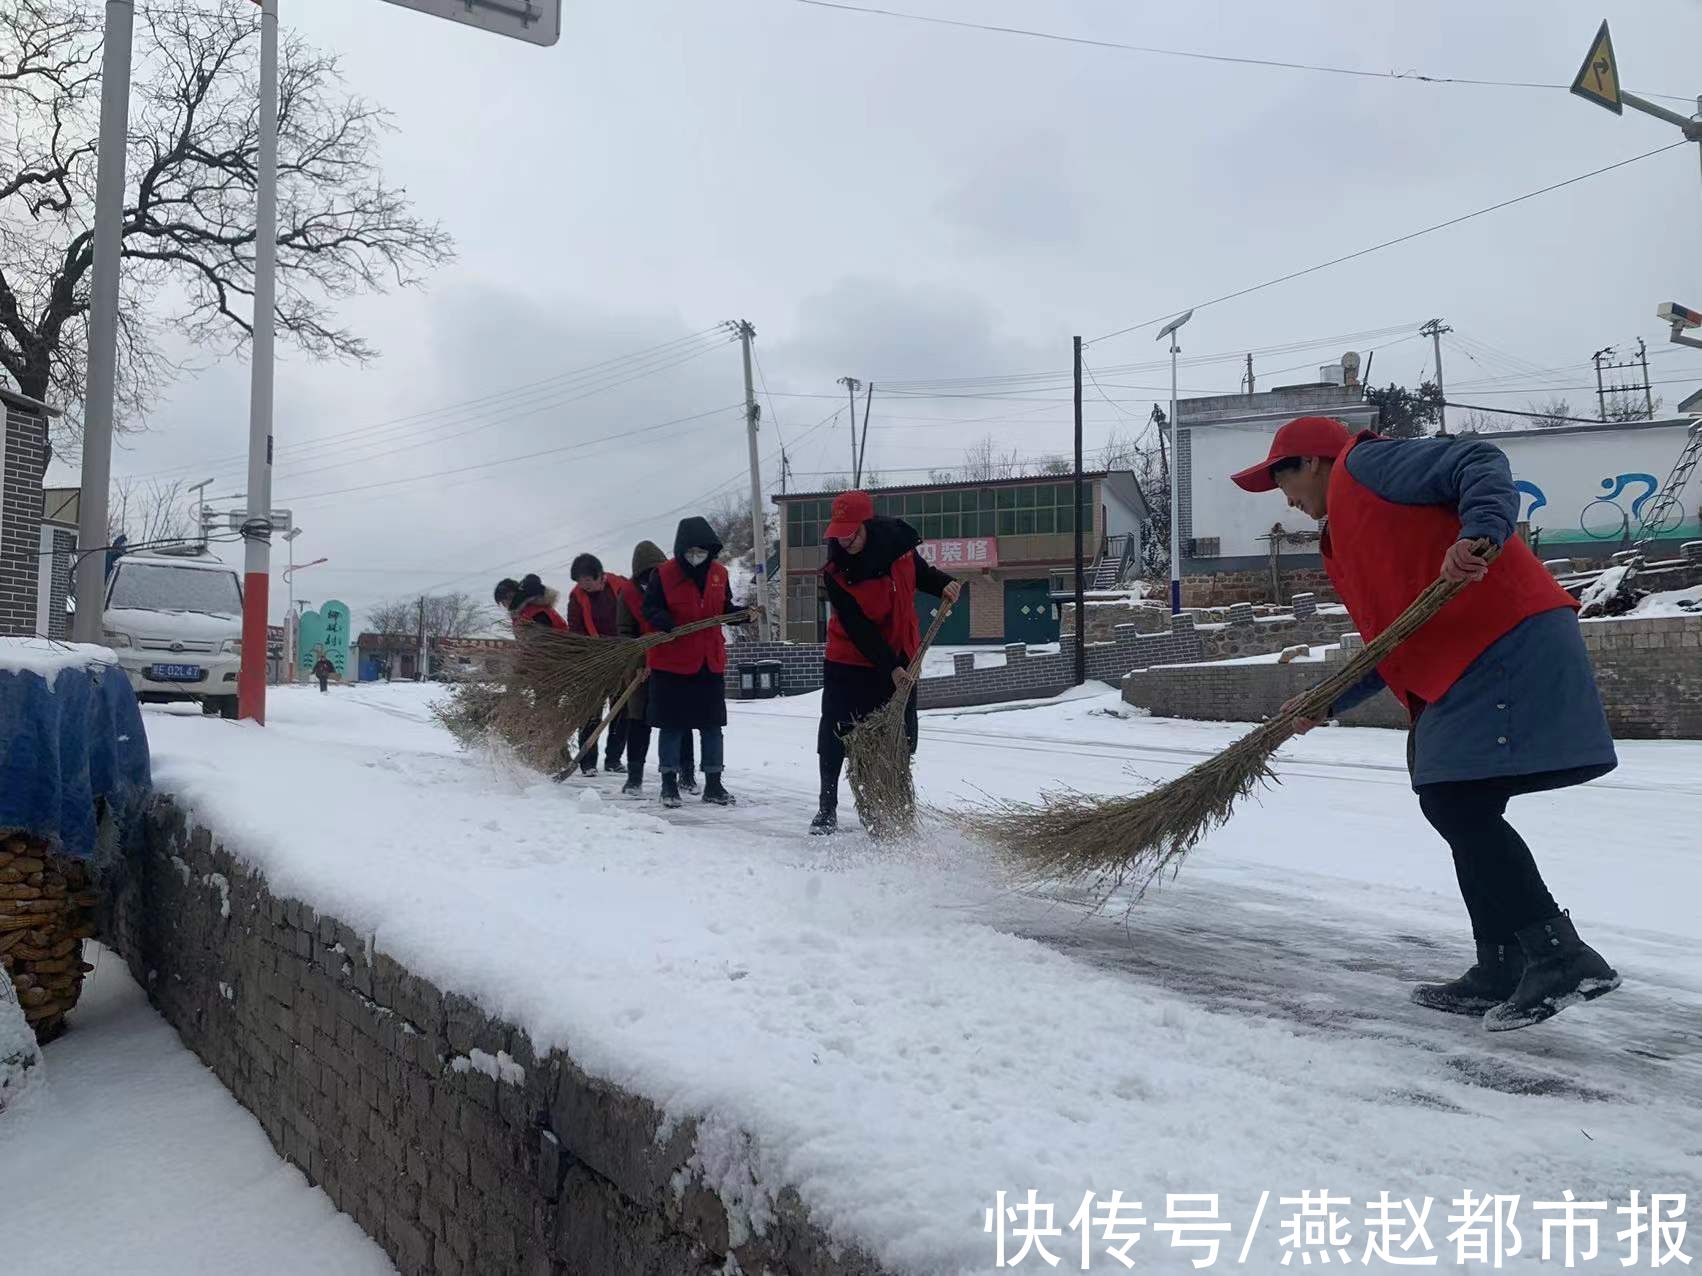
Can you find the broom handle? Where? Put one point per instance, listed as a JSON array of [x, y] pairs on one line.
[[928, 640], [1316, 702], [614, 712], [696, 626]]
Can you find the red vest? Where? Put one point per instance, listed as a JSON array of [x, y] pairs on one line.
[[612, 582], [632, 598], [529, 613], [889, 602], [1381, 556], [686, 603]]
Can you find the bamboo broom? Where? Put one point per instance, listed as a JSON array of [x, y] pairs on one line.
[[1109, 843], [614, 712], [879, 755], [559, 681]]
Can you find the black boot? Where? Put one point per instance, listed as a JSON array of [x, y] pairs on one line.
[[613, 763], [714, 794], [1489, 983], [634, 779], [688, 782], [1561, 970], [826, 821], [670, 789]]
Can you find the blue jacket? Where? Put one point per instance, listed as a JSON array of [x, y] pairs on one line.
[[1528, 706]]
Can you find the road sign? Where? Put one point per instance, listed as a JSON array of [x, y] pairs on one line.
[[1598, 79], [535, 21]]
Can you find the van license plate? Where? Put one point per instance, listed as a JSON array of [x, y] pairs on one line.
[[176, 673]]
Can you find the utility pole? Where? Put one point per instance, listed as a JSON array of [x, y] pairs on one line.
[[1648, 393], [1081, 595], [201, 511], [759, 533], [1606, 352], [1249, 375], [257, 526], [87, 625], [852, 385], [424, 655], [1434, 330], [1170, 330], [863, 447]]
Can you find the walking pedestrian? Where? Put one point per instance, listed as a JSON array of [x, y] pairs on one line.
[[591, 610], [1498, 685], [322, 670], [872, 575], [647, 556], [687, 692]]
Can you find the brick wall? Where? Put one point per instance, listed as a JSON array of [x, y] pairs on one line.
[[25, 443], [800, 664], [378, 1086], [1649, 673], [1220, 589]]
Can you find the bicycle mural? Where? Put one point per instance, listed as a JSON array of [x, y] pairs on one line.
[[1615, 515]]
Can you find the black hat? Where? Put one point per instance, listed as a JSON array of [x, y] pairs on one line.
[[506, 588]]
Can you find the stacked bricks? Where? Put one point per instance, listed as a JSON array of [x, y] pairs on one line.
[[46, 912], [454, 1142]]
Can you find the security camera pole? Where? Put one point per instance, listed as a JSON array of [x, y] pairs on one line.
[[1598, 81]]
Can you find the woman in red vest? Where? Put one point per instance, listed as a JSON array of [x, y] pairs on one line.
[[647, 557], [1499, 687], [591, 610], [872, 574], [529, 602], [687, 691]]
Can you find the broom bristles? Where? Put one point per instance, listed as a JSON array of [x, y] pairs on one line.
[[558, 682], [1110, 843], [878, 755]]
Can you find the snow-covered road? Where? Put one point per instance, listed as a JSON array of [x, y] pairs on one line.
[[904, 1037]]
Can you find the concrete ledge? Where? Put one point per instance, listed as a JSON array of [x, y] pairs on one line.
[[438, 1128]]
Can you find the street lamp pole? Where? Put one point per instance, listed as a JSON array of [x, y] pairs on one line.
[[289, 610], [1170, 330]]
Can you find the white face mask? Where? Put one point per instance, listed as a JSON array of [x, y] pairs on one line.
[[697, 557]]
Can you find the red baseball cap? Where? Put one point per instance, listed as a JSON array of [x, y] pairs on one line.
[[1304, 436], [850, 511]]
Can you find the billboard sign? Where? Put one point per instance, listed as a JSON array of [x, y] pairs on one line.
[[534, 21], [972, 552]]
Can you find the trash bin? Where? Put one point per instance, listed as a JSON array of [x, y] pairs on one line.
[[759, 680]]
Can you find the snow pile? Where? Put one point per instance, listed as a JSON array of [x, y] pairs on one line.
[[900, 1037], [1670, 602], [498, 1067], [20, 1057], [47, 658]]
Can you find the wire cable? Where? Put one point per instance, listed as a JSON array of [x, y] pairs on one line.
[[1387, 243]]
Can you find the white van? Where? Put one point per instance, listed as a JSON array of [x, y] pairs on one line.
[[174, 620]]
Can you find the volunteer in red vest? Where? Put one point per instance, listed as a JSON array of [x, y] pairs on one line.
[[686, 688], [591, 610], [528, 602], [872, 574], [1498, 685], [647, 557]]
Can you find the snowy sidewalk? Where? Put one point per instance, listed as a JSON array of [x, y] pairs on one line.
[[132, 1158], [904, 1039]]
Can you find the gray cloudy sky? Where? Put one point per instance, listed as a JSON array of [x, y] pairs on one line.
[[904, 202]]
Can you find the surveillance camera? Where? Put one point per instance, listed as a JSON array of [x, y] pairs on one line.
[[1678, 316]]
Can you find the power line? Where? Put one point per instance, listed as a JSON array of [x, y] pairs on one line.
[[1387, 243], [1197, 56]]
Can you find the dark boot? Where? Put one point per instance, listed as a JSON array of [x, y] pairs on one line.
[[1561, 970], [612, 763], [714, 794], [825, 822], [1489, 983], [688, 782], [634, 779], [670, 790], [588, 764]]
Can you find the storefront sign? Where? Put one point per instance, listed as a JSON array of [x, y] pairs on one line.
[[974, 552]]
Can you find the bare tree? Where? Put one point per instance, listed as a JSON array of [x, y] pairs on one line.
[[985, 462], [189, 204], [398, 623], [148, 513], [1553, 412], [730, 515]]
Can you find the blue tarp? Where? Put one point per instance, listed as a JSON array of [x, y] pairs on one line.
[[68, 737]]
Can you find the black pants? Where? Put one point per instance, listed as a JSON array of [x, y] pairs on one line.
[[1499, 880], [850, 693], [638, 750], [614, 739]]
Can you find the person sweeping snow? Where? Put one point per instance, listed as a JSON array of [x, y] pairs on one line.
[[1498, 685], [591, 610], [687, 691], [647, 556], [872, 575]]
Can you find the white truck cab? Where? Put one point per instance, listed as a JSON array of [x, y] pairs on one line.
[[174, 620]]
